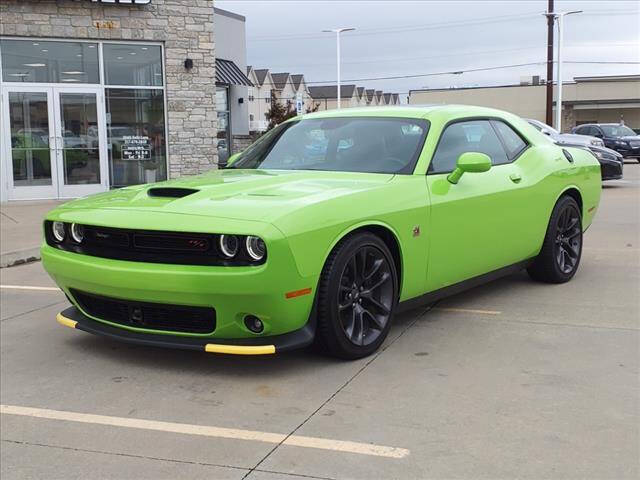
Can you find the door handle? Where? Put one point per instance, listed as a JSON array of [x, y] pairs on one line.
[[515, 178]]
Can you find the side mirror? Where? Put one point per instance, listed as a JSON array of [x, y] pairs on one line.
[[472, 162], [546, 132], [598, 134]]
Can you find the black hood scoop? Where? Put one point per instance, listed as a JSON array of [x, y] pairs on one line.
[[170, 192]]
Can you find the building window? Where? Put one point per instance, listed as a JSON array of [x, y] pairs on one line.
[[130, 64], [136, 136], [224, 131], [135, 117], [39, 61]]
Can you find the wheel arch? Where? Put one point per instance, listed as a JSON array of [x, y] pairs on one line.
[[574, 192], [383, 231]]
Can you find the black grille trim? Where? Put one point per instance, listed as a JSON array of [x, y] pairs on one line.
[[147, 315], [151, 246]]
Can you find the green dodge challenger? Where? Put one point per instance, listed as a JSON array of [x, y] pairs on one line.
[[323, 229]]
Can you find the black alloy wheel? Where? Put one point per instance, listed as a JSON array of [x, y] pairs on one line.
[[357, 294], [559, 257], [365, 297], [568, 244]]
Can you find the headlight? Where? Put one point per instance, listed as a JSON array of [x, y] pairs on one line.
[[620, 142], [256, 248], [77, 232], [229, 245], [58, 231], [597, 143]]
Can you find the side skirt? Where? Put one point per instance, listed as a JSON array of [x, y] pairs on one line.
[[456, 288]]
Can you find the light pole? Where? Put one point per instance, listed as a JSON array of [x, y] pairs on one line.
[[338, 31], [560, 16]]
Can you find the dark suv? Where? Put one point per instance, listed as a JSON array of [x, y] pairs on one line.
[[617, 137]]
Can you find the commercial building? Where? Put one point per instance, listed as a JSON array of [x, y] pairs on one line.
[[97, 94], [595, 99], [232, 84]]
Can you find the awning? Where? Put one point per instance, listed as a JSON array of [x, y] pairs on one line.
[[229, 73]]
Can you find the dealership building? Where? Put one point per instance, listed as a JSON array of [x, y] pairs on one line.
[[99, 94], [594, 99]]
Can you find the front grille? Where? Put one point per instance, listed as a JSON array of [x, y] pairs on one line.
[[151, 246], [153, 316]]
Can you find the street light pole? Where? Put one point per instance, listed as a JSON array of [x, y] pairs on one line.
[[560, 16], [338, 31]]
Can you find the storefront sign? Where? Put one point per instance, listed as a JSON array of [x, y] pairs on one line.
[[136, 147], [124, 2]]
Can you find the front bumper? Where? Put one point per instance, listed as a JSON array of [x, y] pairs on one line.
[[611, 169], [233, 292], [74, 318]]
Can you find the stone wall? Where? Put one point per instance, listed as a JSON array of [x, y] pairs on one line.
[[186, 29], [241, 142]]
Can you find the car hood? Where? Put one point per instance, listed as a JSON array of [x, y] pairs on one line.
[[629, 137], [256, 195]]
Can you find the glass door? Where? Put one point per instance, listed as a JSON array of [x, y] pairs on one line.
[[30, 154], [57, 142], [80, 146]]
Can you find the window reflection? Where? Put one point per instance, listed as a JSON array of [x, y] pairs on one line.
[[130, 64], [49, 62], [29, 123], [80, 143], [136, 136], [222, 107]]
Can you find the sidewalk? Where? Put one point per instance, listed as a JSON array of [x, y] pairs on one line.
[[21, 230]]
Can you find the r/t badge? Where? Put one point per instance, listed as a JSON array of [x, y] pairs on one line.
[[416, 231]]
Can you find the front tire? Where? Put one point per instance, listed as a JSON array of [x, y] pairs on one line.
[[357, 296], [559, 258]]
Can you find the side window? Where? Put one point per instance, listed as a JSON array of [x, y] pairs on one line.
[[512, 141], [469, 136]]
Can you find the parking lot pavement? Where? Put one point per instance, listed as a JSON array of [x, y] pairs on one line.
[[512, 379]]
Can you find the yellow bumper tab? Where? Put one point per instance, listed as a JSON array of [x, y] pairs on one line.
[[67, 322], [240, 349]]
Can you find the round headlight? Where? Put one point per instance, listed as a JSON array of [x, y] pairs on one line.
[[256, 248], [77, 232], [58, 231], [229, 245]]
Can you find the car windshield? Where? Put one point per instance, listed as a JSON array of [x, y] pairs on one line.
[[617, 130], [347, 144]]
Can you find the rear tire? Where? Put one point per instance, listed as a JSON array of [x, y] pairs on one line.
[[559, 258], [358, 292]]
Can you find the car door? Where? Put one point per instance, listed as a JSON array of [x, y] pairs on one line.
[[487, 220]]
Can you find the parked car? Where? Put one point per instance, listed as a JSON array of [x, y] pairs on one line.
[[618, 137], [611, 162], [405, 206]]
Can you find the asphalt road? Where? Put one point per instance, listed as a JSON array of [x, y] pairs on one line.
[[512, 379]]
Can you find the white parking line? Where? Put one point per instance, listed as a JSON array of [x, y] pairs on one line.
[[24, 287], [467, 310], [209, 431]]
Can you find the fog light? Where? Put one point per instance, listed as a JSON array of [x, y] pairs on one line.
[[253, 323], [58, 231], [77, 232], [229, 245]]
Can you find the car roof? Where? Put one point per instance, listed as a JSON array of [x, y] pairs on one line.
[[411, 111], [598, 124]]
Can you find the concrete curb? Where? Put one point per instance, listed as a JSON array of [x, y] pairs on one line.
[[9, 259]]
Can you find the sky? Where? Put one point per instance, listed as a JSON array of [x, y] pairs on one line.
[[400, 38]]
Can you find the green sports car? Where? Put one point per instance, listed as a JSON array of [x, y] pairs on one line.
[[323, 229]]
